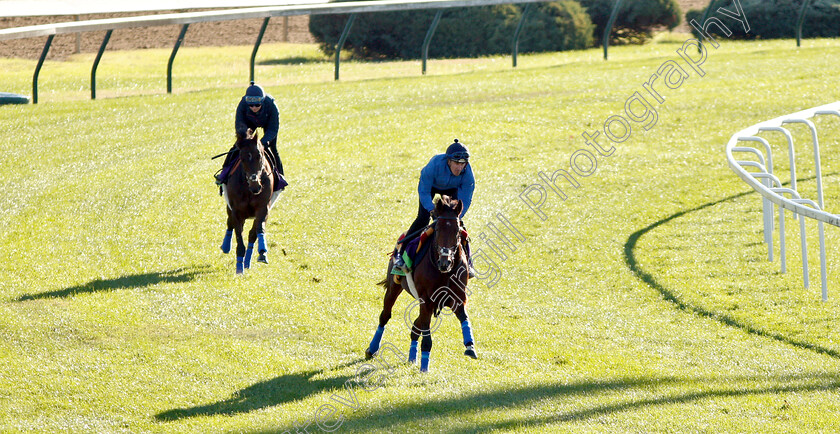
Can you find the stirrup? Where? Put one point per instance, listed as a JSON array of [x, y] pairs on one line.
[[398, 261]]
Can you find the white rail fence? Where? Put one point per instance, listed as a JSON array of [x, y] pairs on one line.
[[775, 196]]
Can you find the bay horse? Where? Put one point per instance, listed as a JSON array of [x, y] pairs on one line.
[[440, 280], [248, 194]]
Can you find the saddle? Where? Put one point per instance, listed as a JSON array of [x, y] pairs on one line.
[[414, 250], [279, 181]]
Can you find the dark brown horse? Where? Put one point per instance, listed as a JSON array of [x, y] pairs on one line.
[[248, 194], [440, 280]]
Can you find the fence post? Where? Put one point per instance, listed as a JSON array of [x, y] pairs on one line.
[[341, 41], [172, 57], [428, 39], [608, 29], [257, 45], [96, 63], [38, 68], [800, 20], [519, 30]]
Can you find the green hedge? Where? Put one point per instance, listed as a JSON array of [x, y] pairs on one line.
[[463, 32], [637, 18], [770, 19]]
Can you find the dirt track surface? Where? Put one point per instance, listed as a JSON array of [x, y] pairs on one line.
[[238, 32]]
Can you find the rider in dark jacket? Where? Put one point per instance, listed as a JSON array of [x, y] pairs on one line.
[[256, 109]]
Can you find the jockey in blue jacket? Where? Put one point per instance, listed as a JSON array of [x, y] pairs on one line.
[[448, 174], [257, 109]]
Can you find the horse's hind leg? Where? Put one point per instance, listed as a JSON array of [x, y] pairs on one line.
[[228, 234], [392, 291], [466, 330]]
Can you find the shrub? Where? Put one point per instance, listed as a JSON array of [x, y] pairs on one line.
[[769, 19], [556, 26], [635, 17], [462, 32]]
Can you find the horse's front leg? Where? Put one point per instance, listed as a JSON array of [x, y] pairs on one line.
[[240, 247], [415, 339], [252, 237], [466, 331], [229, 233], [258, 234], [425, 322]]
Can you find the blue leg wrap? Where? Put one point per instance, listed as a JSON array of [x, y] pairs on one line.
[[412, 352], [377, 339], [240, 265], [248, 252], [261, 243], [467, 332], [226, 241], [424, 361]]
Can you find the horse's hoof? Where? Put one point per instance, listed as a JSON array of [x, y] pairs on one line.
[[470, 352], [262, 259], [368, 354], [224, 250]]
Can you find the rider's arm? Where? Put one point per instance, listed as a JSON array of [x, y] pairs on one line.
[[424, 187], [466, 189], [240, 115], [272, 126]]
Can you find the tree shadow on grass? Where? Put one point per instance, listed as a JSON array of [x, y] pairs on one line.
[[296, 60], [178, 275], [268, 393], [619, 399], [670, 296]]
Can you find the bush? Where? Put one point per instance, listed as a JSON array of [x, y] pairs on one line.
[[557, 26], [463, 32], [635, 17], [771, 19]]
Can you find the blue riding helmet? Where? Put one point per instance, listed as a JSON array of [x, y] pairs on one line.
[[254, 94], [457, 152]]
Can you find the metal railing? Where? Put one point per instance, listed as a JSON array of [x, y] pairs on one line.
[[265, 13], [773, 192]]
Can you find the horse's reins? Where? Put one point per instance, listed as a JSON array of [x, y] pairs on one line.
[[436, 246]]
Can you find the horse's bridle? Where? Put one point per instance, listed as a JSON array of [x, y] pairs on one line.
[[255, 177], [447, 253]]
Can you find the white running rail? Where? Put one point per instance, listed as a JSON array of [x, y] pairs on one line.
[[774, 194]]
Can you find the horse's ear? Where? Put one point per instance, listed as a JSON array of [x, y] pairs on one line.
[[458, 206]]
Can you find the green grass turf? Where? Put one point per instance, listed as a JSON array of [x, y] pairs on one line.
[[644, 302]]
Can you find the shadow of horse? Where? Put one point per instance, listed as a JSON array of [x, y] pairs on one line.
[[178, 275], [638, 393], [265, 394]]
